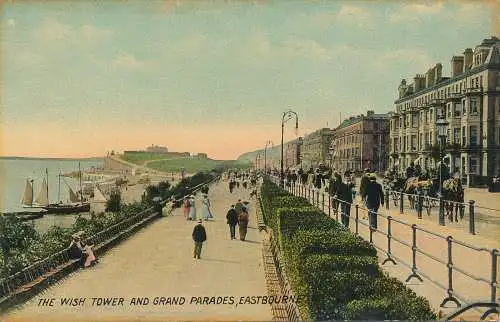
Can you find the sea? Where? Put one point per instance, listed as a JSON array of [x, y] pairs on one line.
[[15, 171]]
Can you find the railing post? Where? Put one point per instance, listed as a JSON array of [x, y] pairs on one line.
[[323, 201], [357, 218], [337, 203], [317, 199], [420, 203], [441, 211], [387, 192], [312, 197], [329, 205], [450, 297], [389, 236], [401, 202], [309, 194], [493, 283], [472, 223], [414, 256]]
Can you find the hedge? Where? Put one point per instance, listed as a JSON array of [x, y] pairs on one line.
[[335, 271]]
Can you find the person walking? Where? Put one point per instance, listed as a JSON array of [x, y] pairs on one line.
[[374, 197], [232, 220], [199, 237], [186, 204], [238, 207], [206, 208], [243, 219], [192, 208], [345, 195]]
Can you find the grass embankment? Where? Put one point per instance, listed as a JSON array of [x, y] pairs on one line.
[[192, 165], [142, 157]]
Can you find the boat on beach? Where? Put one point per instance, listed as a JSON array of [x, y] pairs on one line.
[[26, 215], [76, 204]]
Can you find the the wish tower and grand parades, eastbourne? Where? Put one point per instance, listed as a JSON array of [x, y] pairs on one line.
[[385, 208]]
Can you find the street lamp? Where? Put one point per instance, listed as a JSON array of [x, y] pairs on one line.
[[287, 116], [442, 129], [265, 154]]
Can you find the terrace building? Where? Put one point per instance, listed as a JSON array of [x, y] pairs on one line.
[[470, 102], [292, 153], [315, 147], [361, 142]]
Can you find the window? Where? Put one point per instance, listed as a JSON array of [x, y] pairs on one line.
[[414, 143], [427, 140], [473, 106], [464, 108], [464, 139], [448, 107], [414, 120], [473, 135], [473, 165], [456, 135], [457, 110]]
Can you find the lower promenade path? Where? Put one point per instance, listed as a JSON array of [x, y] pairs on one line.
[[158, 262]]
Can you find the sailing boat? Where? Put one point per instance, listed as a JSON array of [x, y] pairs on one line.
[[76, 204], [27, 201]]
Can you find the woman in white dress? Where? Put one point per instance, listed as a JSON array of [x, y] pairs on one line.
[[206, 208]]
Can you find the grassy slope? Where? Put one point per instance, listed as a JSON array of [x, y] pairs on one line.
[[141, 157], [192, 165]]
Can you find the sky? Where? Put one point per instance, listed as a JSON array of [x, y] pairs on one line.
[[79, 79]]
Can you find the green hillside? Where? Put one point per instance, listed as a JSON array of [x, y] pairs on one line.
[[195, 164]]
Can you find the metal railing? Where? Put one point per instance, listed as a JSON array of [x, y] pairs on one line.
[[331, 206], [44, 267], [466, 215]]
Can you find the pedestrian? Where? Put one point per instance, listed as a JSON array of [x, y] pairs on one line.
[[345, 195], [374, 197], [186, 208], [206, 208], [238, 207], [232, 220], [192, 208], [231, 186], [199, 236], [243, 219]]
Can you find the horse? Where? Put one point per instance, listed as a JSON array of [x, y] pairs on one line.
[[453, 195]]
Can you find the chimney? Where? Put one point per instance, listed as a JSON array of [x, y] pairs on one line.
[[467, 59], [429, 78], [438, 70], [369, 113], [419, 82], [457, 65]]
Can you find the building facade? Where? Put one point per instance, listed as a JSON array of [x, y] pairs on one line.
[[361, 142], [469, 100], [291, 153], [315, 147], [156, 149]]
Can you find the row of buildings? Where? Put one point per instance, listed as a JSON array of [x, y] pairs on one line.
[[469, 101]]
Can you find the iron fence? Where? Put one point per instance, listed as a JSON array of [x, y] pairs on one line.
[[313, 196]]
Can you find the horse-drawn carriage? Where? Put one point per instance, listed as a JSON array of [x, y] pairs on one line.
[[452, 193]]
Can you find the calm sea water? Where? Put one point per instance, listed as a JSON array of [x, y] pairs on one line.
[[13, 175]]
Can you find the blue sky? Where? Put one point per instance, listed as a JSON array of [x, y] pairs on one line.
[[81, 78]]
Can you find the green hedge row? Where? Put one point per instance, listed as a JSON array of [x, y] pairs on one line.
[[335, 271]]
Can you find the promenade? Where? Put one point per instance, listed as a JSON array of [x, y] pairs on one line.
[[475, 263], [158, 262]]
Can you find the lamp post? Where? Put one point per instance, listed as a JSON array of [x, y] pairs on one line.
[[287, 115], [442, 129], [265, 154]]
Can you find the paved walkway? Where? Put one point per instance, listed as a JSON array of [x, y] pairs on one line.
[[158, 262]]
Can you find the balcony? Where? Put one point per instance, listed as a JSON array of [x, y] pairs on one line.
[[437, 102], [454, 97], [474, 91]]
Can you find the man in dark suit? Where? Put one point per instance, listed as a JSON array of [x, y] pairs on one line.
[[232, 220], [374, 197], [199, 236]]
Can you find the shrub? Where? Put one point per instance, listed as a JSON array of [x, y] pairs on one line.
[[113, 204]]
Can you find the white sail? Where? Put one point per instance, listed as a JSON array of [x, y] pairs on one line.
[[98, 196], [43, 198], [72, 195], [28, 194]]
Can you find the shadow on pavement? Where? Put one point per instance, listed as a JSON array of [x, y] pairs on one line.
[[251, 241]]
